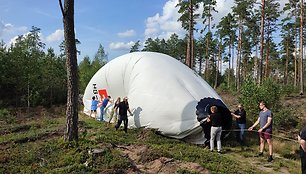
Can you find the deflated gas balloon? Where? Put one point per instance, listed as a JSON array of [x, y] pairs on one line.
[[162, 93]]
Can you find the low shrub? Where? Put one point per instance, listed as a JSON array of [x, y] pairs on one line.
[[6, 116]]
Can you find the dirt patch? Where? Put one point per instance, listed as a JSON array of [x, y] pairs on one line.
[[139, 154], [260, 163]]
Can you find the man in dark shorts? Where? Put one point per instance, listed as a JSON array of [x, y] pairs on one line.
[[123, 108], [302, 142], [265, 131]]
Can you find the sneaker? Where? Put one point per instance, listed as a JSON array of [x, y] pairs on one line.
[[211, 150], [219, 151], [260, 154], [270, 159]]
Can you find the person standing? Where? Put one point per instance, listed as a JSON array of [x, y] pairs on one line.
[[123, 108], [216, 128], [94, 106], [114, 110], [103, 106], [265, 131], [240, 116], [302, 142]]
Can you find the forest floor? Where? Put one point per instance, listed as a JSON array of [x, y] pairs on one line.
[[33, 143]]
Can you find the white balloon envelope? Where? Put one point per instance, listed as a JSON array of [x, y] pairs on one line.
[[163, 93]]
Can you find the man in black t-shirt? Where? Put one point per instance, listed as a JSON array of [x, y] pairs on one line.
[[123, 108], [240, 116], [302, 142]]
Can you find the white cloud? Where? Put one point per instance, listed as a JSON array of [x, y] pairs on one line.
[[127, 33], [164, 25], [12, 41], [56, 36], [121, 45], [8, 29], [223, 7]]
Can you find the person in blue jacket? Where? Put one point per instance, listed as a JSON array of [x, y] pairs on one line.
[[94, 106]]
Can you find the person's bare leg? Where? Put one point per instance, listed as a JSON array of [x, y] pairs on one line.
[[262, 145], [269, 141]]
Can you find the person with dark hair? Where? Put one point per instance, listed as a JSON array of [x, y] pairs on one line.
[[302, 142], [216, 128], [123, 108], [240, 116], [103, 106], [265, 131], [94, 106]]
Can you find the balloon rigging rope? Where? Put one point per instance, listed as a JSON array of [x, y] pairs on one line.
[[281, 137]]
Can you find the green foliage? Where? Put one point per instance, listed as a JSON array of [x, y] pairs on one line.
[[6, 116], [88, 68], [269, 92], [135, 47], [31, 77], [49, 153], [287, 90], [285, 119], [223, 87], [252, 94]]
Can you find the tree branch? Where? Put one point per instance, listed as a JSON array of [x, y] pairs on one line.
[[62, 9]]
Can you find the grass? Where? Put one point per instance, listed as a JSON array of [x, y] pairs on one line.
[[46, 152]]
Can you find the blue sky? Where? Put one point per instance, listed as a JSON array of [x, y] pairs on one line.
[[116, 24]]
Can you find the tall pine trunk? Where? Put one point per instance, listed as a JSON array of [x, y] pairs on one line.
[[71, 132], [200, 66], [239, 57], [286, 64], [229, 64], [267, 52], [261, 39], [295, 63], [301, 48], [189, 56], [206, 60], [256, 62], [217, 66]]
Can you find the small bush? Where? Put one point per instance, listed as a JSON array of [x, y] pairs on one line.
[[252, 94], [284, 119], [287, 90], [6, 116]]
